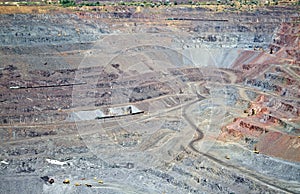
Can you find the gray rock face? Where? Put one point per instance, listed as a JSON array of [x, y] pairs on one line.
[[21, 184], [136, 153], [43, 29], [235, 33]]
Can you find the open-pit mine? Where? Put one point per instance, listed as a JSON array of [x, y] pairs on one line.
[[149, 97]]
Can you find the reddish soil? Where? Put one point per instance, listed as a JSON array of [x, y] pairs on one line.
[[273, 119]]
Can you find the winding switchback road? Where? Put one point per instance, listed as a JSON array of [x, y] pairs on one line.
[[252, 175]]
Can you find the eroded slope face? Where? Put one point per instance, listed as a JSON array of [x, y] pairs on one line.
[[150, 101], [273, 118]]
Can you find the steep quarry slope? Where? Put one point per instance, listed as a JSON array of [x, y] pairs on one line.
[[191, 71], [40, 29], [273, 118], [38, 51]]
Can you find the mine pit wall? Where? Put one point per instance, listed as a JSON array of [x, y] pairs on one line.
[[205, 35], [272, 125], [240, 40], [43, 29], [271, 143], [245, 30], [61, 99], [209, 29], [266, 130], [233, 30]]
